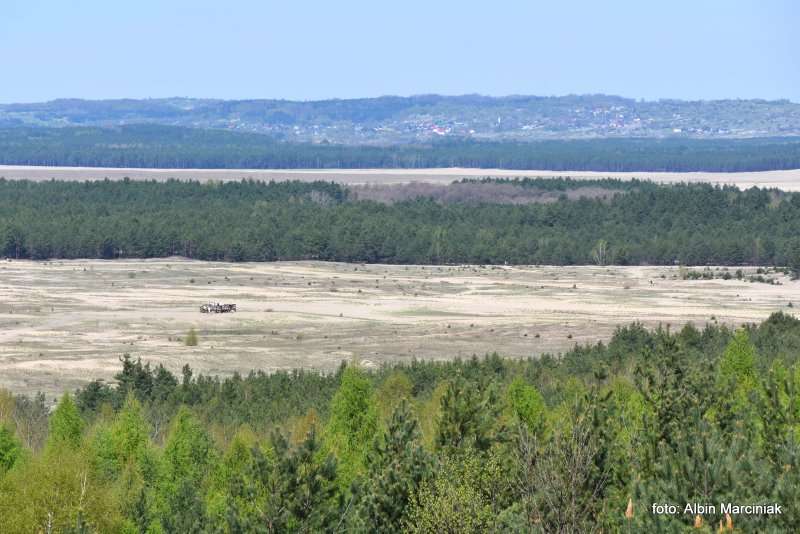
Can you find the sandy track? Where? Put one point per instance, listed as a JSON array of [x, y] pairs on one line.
[[66, 322], [788, 180]]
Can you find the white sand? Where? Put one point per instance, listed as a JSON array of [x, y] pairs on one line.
[[66, 322], [788, 180]]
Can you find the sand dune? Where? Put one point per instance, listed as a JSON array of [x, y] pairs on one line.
[[788, 180]]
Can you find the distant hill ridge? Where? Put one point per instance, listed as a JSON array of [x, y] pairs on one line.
[[391, 120]]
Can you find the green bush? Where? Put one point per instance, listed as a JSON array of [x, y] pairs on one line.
[[191, 338]]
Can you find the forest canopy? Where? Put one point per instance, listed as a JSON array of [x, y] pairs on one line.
[[581, 442], [156, 146], [634, 223]]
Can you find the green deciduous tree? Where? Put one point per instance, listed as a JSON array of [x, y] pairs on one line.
[[50, 491], [66, 425], [188, 455], [468, 493], [738, 364], [353, 423], [527, 405]]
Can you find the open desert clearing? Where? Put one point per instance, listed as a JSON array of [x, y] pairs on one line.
[[63, 323], [787, 180]]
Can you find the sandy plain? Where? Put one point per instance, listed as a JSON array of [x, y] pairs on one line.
[[64, 323], [788, 180]]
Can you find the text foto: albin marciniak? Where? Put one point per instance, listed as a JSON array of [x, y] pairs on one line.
[[695, 508]]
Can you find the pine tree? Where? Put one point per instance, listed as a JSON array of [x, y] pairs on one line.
[[186, 509], [779, 409], [304, 496], [707, 466], [671, 385], [468, 418], [10, 449], [397, 466], [793, 257]]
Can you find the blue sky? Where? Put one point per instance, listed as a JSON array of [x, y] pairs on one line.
[[296, 49]]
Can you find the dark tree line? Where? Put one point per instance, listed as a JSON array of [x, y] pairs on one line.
[[174, 147], [251, 221]]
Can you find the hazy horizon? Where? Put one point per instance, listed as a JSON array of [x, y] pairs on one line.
[[310, 51], [413, 95]]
